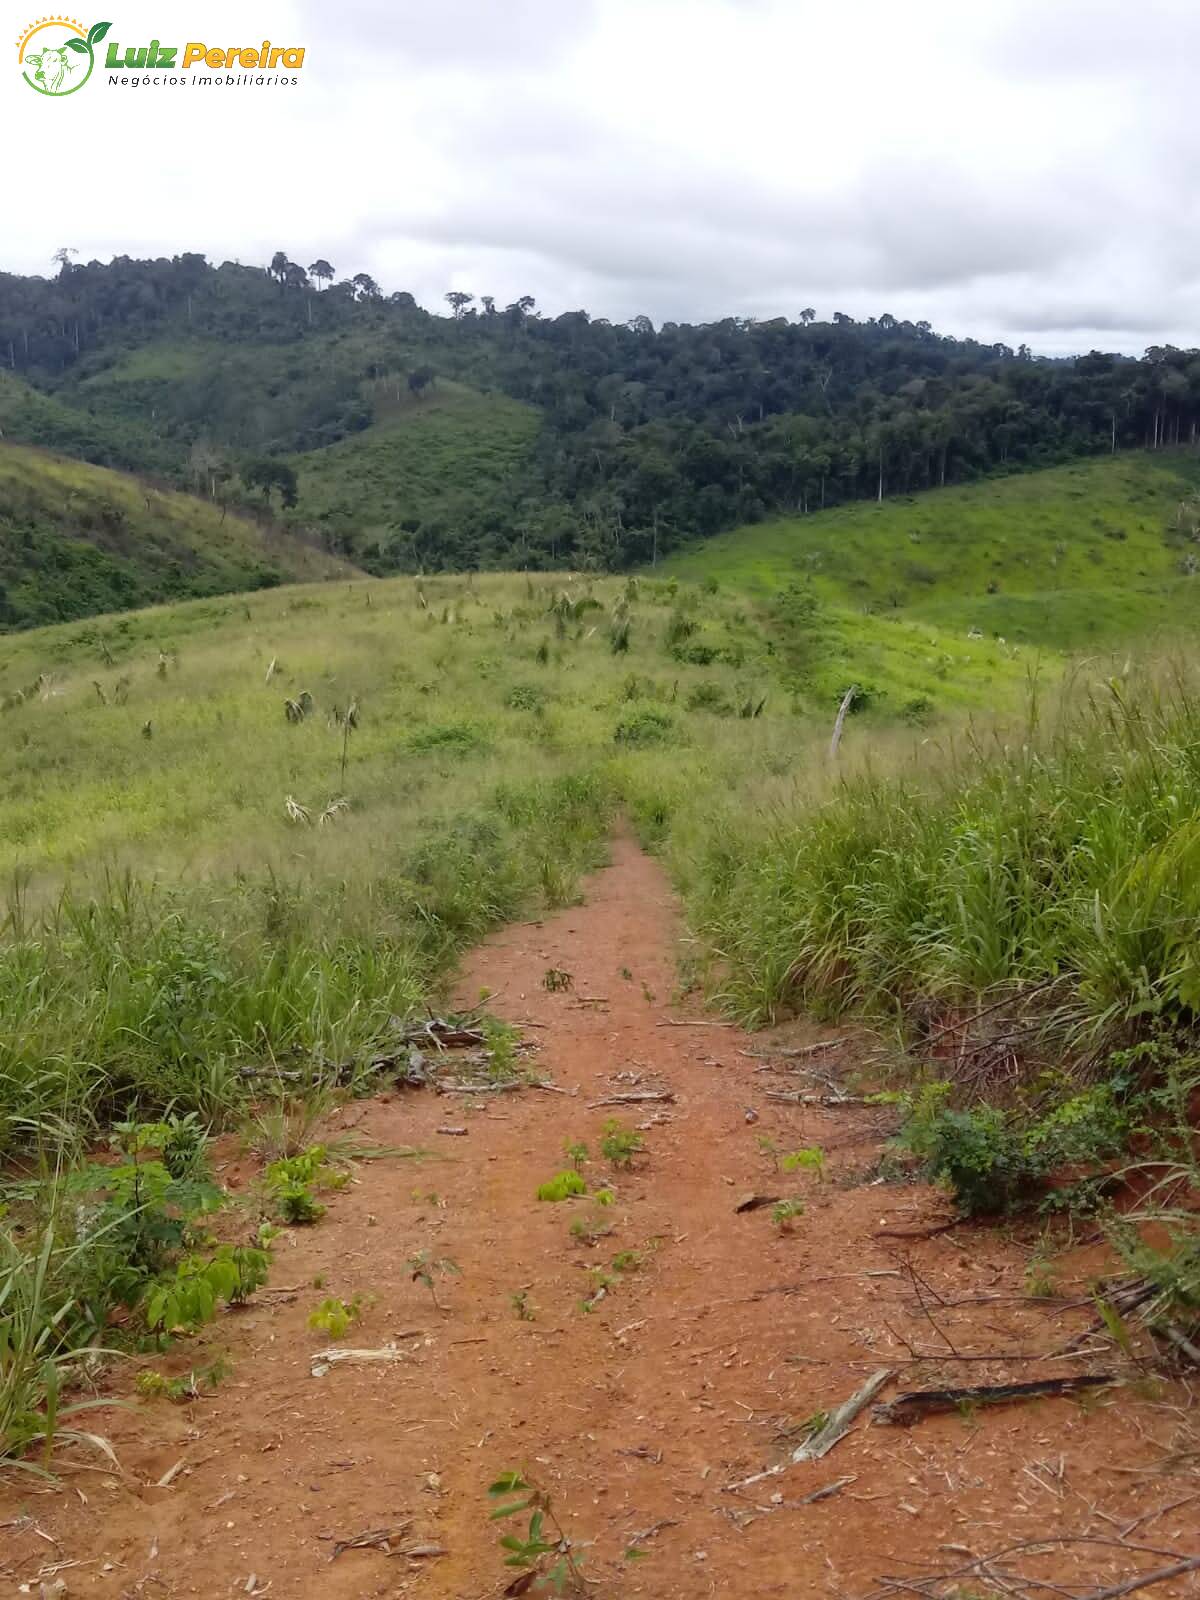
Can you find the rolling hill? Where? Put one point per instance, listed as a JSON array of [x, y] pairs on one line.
[[28, 416], [77, 539], [395, 493], [1066, 559]]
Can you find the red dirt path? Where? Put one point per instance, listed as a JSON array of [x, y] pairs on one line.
[[643, 1411]]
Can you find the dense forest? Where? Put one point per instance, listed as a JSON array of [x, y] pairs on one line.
[[227, 380]]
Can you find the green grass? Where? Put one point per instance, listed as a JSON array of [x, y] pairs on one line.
[[169, 922], [1063, 858], [434, 456], [29, 417], [77, 539], [1068, 559]]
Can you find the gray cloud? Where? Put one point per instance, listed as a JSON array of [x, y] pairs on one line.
[[1014, 171]]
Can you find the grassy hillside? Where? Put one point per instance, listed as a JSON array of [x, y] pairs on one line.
[[394, 493], [27, 416], [77, 539], [1068, 558]]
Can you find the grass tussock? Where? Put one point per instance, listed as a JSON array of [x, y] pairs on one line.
[[1063, 856]]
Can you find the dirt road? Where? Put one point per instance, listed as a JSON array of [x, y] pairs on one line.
[[711, 1347]]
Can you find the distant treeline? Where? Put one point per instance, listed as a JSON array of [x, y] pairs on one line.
[[650, 436]]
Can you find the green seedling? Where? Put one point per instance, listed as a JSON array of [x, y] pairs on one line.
[[770, 1149], [522, 1310], [562, 1186], [811, 1159], [556, 980], [188, 1297], [648, 994], [785, 1213], [602, 1282], [153, 1385], [626, 974], [1040, 1283], [619, 1145], [545, 1553], [590, 1230], [425, 1268], [576, 1152], [333, 1317]]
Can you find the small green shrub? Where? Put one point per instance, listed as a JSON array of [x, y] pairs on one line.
[[619, 1145], [333, 1316], [562, 1186], [645, 727], [188, 1298]]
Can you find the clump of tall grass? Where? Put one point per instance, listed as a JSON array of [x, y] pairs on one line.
[[136, 996], [1065, 857]]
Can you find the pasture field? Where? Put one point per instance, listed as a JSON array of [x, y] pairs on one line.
[[247, 840]]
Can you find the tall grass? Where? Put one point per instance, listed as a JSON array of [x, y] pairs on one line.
[[1065, 856], [136, 995]]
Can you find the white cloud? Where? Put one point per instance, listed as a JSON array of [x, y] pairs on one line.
[[1012, 171]]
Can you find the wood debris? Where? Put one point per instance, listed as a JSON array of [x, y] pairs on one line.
[[918, 1403], [838, 1426]]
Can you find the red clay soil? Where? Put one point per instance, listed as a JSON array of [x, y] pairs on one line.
[[694, 1371]]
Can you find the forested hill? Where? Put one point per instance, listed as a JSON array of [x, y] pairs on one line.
[[501, 436]]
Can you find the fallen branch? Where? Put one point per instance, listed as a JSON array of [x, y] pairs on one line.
[[906, 1408], [821, 1442], [806, 1098], [918, 1233], [838, 1425], [1144, 1580], [641, 1097], [506, 1087], [795, 1052], [827, 1489], [372, 1539], [755, 1202]]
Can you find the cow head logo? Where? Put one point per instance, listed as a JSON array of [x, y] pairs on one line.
[[56, 54]]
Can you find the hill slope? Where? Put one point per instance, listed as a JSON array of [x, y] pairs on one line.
[[1067, 558], [27, 416], [398, 493], [649, 438], [77, 539]]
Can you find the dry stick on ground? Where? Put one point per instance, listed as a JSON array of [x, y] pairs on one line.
[[981, 1564], [918, 1233], [795, 1052], [641, 1098], [1191, 1564], [834, 1430], [921, 1402], [799, 1097]]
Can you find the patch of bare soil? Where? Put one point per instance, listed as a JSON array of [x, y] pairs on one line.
[[699, 1368]]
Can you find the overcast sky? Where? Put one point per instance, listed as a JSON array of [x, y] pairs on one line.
[[1011, 169]]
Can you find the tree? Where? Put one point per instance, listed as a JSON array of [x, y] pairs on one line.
[[459, 301], [808, 315], [365, 286], [420, 379], [295, 277], [321, 271], [266, 475], [63, 257], [488, 302], [279, 266]]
